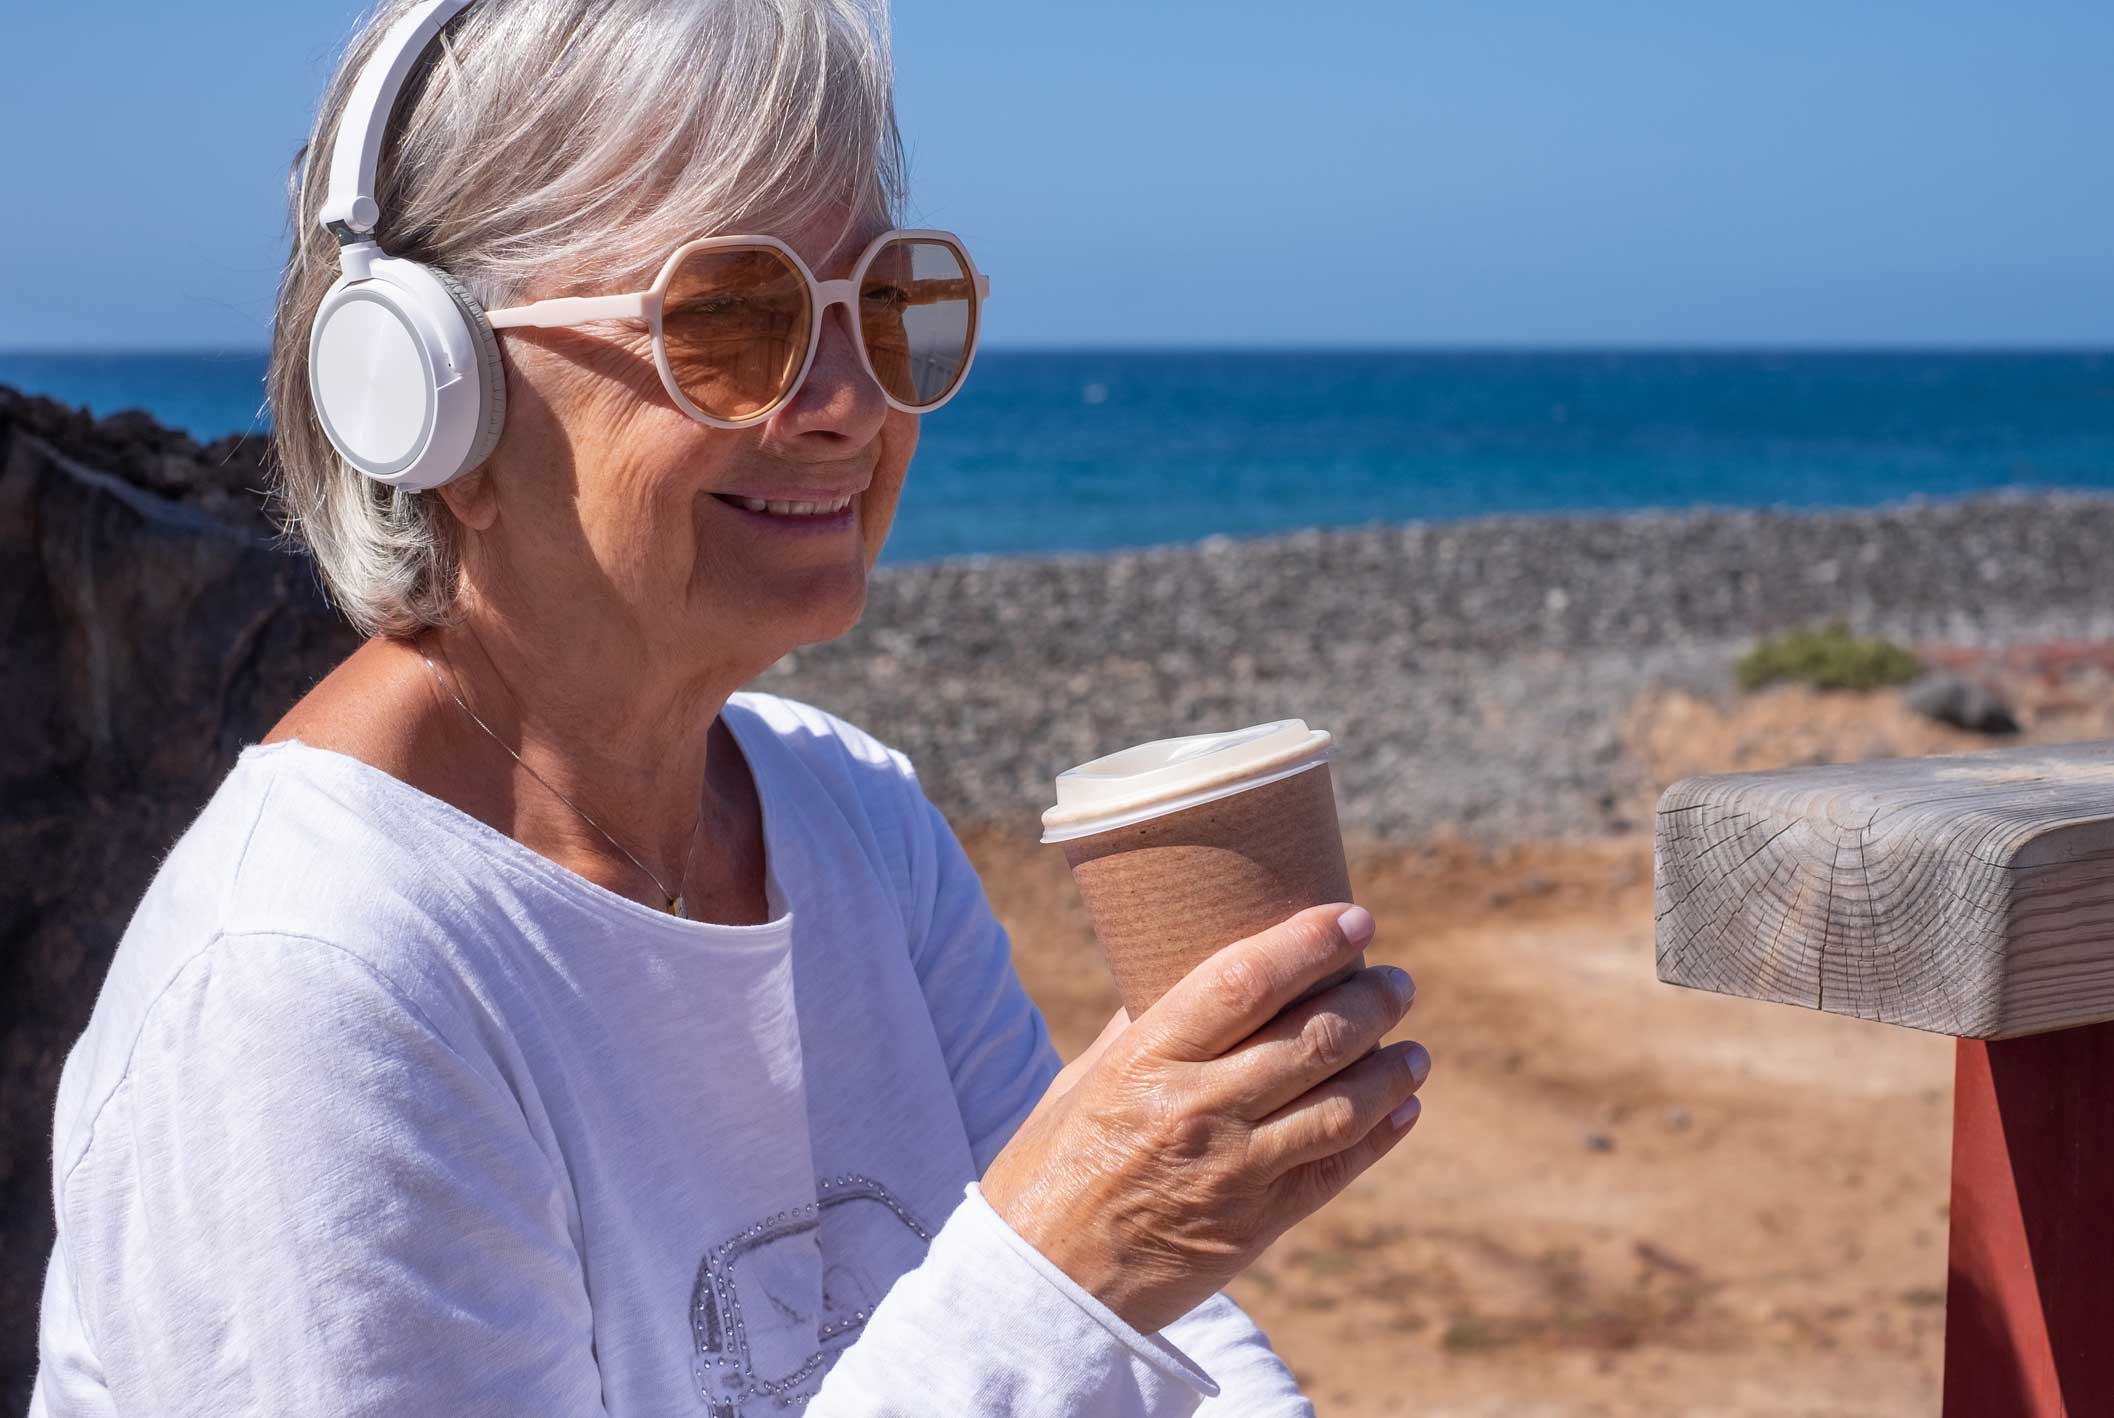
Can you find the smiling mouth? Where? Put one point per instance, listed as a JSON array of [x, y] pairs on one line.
[[776, 508]]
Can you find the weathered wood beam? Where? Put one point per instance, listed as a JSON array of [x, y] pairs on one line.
[[1967, 894]]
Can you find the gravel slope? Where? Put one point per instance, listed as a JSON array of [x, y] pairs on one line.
[[1475, 673]]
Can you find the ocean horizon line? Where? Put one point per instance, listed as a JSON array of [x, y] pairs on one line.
[[1075, 449], [1820, 349]]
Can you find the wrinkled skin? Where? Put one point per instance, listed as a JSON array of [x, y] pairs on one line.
[[1172, 1152]]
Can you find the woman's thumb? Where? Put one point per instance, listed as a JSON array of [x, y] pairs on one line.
[[1072, 1072]]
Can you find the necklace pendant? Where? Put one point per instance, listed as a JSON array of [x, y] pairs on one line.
[[675, 907]]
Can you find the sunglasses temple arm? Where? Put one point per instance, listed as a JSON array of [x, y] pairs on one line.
[[569, 310]]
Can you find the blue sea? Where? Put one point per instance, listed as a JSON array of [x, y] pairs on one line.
[[1086, 450]]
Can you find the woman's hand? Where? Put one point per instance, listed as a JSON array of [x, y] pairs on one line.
[[1182, 1145], [1072, 1072]]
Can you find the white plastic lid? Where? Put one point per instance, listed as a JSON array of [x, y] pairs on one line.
[[1167, 775]]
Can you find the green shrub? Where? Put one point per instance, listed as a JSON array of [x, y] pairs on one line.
[[1827, 658]]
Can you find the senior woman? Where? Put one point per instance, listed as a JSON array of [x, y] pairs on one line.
[[535, 1021]]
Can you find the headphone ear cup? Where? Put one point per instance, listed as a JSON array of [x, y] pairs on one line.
[[491, 372], [404, 372]]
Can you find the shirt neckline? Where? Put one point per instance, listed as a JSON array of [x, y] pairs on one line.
[[509, 853]]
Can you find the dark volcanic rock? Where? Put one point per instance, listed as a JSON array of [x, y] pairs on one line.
[[150, 631], [1954, 699]]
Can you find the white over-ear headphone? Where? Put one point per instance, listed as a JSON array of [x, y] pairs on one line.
[[403, 369]]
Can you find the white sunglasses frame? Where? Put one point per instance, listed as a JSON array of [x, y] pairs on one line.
[[566, 311]]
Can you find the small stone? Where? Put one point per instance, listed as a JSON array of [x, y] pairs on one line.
[[1953, 699], [1599, 1142]]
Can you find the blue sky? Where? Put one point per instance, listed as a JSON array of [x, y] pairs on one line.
[[1390, 172]]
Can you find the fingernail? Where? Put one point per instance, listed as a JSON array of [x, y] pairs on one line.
[[1356, 925], [1405, 988], [1403, 1116], [1418, 1059]]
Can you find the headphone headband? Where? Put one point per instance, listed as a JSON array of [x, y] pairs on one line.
[[349, 209], [404, 372]]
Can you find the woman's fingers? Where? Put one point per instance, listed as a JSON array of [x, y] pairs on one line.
[[1242, 987], [1337, 1115], [1309, 1187], [1314, 1040]]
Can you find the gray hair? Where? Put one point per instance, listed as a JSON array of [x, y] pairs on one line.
[[587, 137]]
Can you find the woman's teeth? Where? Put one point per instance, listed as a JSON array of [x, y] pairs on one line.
[[794, 509]]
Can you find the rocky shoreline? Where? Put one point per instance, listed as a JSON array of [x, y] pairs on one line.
[[1477, 674]]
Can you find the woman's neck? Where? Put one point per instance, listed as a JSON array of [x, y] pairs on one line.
[[621, 732]]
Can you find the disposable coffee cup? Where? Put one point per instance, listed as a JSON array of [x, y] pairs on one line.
[[1182, 846]]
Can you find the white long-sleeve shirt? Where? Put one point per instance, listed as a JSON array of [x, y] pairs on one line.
[[380, 1112]]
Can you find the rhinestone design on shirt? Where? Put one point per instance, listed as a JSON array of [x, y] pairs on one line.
[[724, 1368]]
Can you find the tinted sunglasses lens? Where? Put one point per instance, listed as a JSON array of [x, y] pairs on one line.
[[735, 325], [918, 313]]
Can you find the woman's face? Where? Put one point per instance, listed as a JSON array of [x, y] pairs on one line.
[[608, 512]]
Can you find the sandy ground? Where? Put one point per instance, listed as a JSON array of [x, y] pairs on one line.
[[1624, 1198]]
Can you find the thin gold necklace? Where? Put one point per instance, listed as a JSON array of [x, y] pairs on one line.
[[673, 898]]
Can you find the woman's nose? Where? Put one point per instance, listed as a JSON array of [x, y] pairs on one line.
[[838, 399]]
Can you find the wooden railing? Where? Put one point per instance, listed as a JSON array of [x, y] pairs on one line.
[[1970, 895]]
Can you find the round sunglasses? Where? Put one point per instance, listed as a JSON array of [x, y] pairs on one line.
[[736, 321]]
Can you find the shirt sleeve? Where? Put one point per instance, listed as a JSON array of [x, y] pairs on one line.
[[301, 1199], [999, 1055], [987, 1327]]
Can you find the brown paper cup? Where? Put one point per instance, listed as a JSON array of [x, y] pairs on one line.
[[1166, 893]]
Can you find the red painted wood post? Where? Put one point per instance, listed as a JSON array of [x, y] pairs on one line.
[[2029, 1305]]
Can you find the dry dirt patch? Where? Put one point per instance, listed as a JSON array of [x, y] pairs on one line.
[[1624, 1198]]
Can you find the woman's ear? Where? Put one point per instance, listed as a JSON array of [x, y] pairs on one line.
[[473, 499]]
